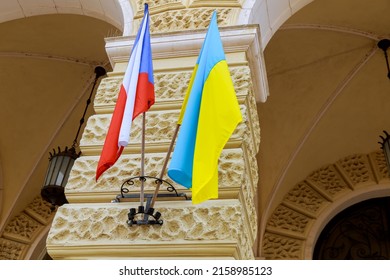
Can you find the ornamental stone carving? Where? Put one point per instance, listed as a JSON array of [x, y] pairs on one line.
[[21, 232], [277, 247], [81, 225], [289, 225], [305, 198], [22, 228], [169, 87], [379, 164], [357, 168], [285, 218], [328, 179], [40, 210], [188, 19], [82, 177], [11, 250], [158, 6]]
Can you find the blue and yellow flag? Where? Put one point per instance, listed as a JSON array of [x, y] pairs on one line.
[[209, 116]]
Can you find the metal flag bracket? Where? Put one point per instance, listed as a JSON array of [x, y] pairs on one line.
[[146, 215]]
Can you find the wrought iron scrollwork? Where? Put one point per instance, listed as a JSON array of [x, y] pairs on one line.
[[360, 232], [145, 215], [131, 182]]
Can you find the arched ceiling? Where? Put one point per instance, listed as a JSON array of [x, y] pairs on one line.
[[329, 92], [107, 10], [327, 82], [47, 66]]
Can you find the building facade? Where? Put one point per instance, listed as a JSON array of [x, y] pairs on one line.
[[312, 88]]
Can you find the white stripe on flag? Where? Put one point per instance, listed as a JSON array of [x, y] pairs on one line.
[[130, 82]]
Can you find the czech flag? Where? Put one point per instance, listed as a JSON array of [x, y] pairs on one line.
[[136, 96], [209, 115]]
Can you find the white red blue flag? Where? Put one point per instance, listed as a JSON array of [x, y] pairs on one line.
[[136, 96]]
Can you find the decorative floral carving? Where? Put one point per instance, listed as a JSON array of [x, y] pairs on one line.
[[82, 176], [304, 197], [230, 3], [169, 86], [158, 5], [357, 168], [40, 210], [287, 219], [159, 128], [108, 90], [277, 247], [249, 200], [255, 124], [108, 224], [160, 124], [329, 179], [22, 228], [10, 250], [380, 162], [188, 19]]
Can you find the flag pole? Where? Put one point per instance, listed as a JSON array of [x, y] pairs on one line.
[[164, 166], [142, 195]]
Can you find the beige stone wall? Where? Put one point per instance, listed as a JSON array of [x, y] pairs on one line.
[[211, 230], [93, 227]]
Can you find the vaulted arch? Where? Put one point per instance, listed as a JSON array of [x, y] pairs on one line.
[[296, 223], [114, 12]]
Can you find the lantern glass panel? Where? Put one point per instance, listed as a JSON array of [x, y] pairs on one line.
[[56, 170], [49, 174], [71, 162], [386, 149], [62, 171]]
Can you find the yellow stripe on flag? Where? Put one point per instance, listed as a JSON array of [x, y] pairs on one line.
[[218, 118]]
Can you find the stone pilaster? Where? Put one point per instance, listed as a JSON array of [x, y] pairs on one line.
[[93, 227]]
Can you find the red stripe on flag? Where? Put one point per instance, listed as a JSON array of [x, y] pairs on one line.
[[111, 151], [144, 95]]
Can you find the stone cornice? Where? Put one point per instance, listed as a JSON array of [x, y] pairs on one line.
[[235, 39]]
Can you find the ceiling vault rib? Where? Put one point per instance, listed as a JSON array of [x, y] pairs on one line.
[[49, 144], [305, 136], [51, 57], [334, 28]]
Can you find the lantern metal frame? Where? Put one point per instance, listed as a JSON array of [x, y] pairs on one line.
[[384, 44], [385, 146], [61, 162]]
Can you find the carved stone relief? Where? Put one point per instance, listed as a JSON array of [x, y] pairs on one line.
[[189, 19], [40, 210], [11, 250], [106, 224], [169, 86], [24, 228], [289, 225], [285, 218], [329, 180], [305, 198], [82, 177], [278, 247], [357, 168], [380, 164]]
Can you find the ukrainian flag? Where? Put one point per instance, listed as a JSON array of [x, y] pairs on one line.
[[209, 115]]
